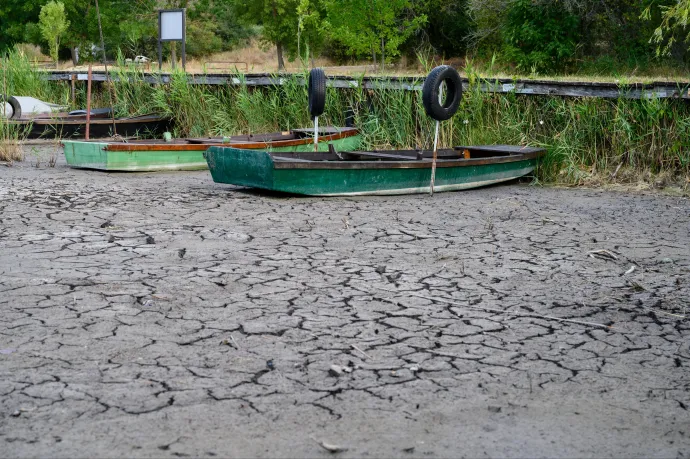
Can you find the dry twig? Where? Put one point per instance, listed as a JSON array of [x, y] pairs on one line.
[[603, 254], [331, 448], [363, 353]]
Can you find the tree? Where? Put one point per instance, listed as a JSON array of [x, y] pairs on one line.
[[547, 34], [278, 18], [312, 29], [213, 27], [449, 25], [53, 24], [540, 37], [19, 22], [14, 17], [130, 25], [674, 21], [373, 26]]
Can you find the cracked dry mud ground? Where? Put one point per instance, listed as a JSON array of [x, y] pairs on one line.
[[139, 312]]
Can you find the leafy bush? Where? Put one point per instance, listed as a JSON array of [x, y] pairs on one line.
[[540, 37], [449, 26]]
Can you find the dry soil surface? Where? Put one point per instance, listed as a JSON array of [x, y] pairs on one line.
[[166, 315]]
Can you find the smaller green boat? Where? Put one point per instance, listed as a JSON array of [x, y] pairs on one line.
[[188, 154], [351, 173]]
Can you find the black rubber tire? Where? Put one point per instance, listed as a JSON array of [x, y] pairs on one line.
[[14, 103], [436, 109], [317, 92], [16, 106]]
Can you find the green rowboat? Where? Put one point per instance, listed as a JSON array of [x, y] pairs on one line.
[[188, 154], [371, 172]]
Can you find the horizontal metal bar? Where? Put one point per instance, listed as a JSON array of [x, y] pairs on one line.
[[661, 90]]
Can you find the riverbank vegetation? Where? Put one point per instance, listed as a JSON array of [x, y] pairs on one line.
[[589, 140]]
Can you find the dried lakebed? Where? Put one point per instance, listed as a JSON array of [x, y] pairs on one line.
[[165, 315]]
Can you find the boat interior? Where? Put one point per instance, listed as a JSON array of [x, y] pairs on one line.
[[454, 154], [293, 134]]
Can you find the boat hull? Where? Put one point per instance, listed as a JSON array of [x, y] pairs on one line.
[[96, 155], [100, 127], [161, 157], [260, 170]]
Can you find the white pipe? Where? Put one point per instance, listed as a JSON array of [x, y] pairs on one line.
[[33, 106], [316, 133], [433, 161], [7, 111]]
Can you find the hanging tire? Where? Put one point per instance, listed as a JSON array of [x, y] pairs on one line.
[[445, 109], [317, 92]]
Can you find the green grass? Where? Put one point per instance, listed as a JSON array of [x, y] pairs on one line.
[[601, 69], [10, 142], [21, 78], [17, 77]]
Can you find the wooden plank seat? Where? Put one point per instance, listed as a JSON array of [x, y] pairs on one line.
[[377, 155]]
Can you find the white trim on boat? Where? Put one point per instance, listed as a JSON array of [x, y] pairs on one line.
[[426, 189]]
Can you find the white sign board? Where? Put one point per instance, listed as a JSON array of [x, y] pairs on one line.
[[172, 25]]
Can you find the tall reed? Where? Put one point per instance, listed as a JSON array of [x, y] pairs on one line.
[[22, 78], [10, 148]]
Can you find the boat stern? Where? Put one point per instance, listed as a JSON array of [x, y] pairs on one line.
[[88, 155], [251, 168]]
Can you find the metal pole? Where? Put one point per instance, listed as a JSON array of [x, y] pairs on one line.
[[433, 161], [316, 133], [107, 75], [435, 155], [184, 39], [160, 45], [74, 89], [88, 103], [173, 54]]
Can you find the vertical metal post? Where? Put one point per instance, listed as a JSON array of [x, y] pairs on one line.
[[316, 133], [160, 56], [73, 89], [88, 103], [160, 45], [435, 155], [433, 161], [184, 39]]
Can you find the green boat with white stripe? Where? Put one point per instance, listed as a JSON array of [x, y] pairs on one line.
[[188, 154], [353, 173]]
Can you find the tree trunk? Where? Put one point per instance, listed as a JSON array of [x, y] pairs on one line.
[[75, 55], [279, 44], [383, 55], [54, 53], [281, 62], [373, 53]]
